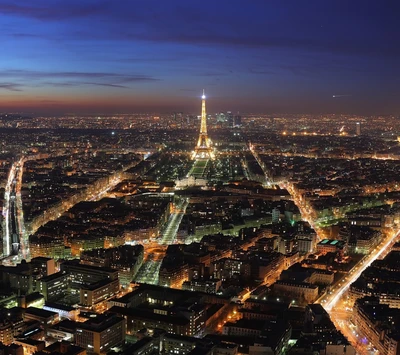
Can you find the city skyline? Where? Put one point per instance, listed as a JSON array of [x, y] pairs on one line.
[[99, 57]]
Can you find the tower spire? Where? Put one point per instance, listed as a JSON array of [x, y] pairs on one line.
[[203, 127]]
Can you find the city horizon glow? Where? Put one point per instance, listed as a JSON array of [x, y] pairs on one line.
[[89, 57]]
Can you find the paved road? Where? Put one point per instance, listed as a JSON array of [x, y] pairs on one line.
[[148, 273], [12, 213], [334, 302]]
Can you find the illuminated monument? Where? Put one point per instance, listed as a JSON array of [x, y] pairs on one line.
[[203, 148]]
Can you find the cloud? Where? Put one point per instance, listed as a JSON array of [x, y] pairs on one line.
[[213, 74], [10, 86], [71, 74], [261, 71], [309, 28], [71, 79], [78, 83], [58, 84], [270, 41], [53, 12], [48, 101], [24, 35]]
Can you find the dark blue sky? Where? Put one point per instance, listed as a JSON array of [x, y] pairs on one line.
[[251, 55]]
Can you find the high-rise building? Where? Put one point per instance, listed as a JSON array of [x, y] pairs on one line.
[[306, 243], [81, 274], [6, 332], [98, 335], [43, 266], [237, 121], [54, 287], [358, 129], [229, 118], [276, 213], [221, 118], [203, 148], [93, 294]]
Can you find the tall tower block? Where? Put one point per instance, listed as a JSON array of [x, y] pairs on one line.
[[358, 129], [203, 148]]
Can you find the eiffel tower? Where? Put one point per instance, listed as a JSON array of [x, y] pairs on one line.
[[203, 148]]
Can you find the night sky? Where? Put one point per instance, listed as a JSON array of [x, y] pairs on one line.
[[265, 56]]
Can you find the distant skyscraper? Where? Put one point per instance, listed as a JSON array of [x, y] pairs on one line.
[[229, 118], [237, 121], [272, 123], [203, 148], [221, 117], [178, 117], [358, 128]]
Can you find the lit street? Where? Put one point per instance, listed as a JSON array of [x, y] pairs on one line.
[[336, 298], [148, 273], [14, 237], [329, 301], [175, 219]]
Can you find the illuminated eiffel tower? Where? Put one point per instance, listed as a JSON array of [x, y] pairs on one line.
[[203, 148]]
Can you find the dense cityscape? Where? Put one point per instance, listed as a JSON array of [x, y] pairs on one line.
[[199, 178], [260, 237]]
